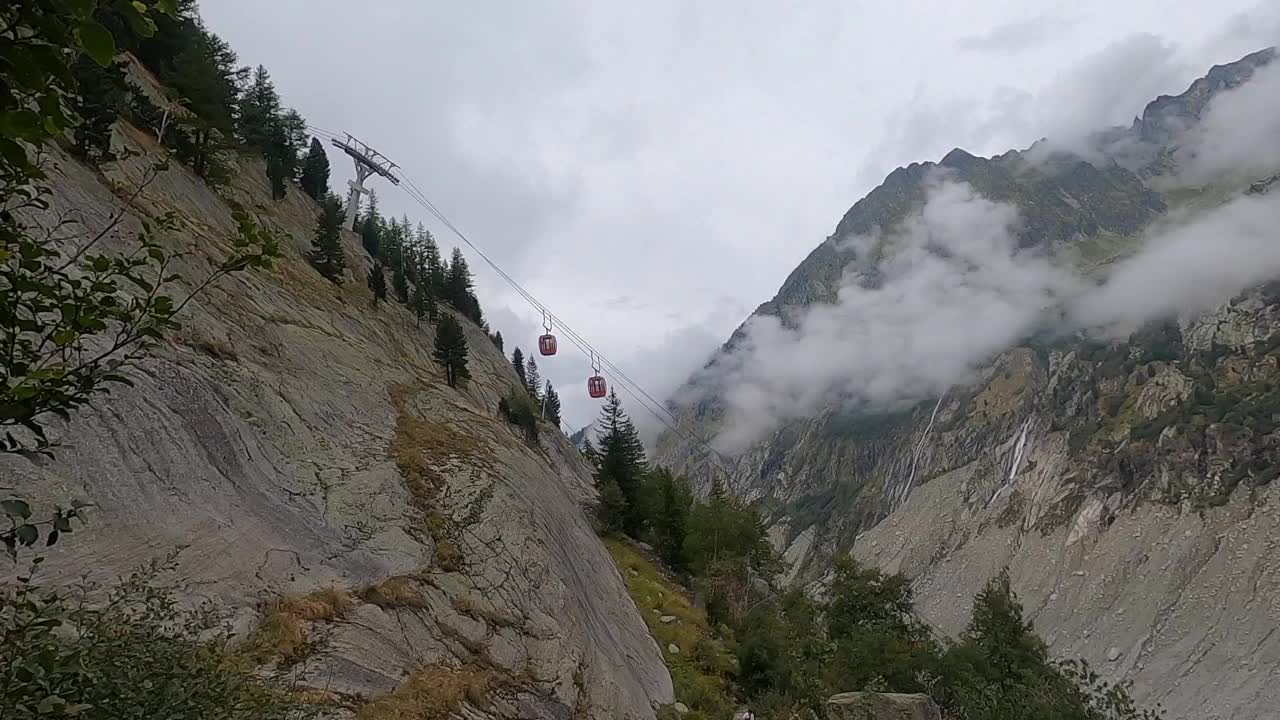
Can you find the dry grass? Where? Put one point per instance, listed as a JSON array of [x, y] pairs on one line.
[[433, 694], [214, 347], [485, 613], [395, 592], [282, 635], [421, 446]]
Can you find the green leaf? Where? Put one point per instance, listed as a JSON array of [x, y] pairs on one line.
[[82, 8], [15, 508], [140, 7], [53, 538], [98, 42], [20, 124], [168, 7], [27, 534]]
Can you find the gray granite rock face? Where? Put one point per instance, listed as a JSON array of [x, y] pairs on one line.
[[276, 440]]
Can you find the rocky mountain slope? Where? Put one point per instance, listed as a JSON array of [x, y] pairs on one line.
[[374, 528], [1126, 482]]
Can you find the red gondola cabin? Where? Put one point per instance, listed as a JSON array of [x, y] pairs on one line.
[[547, 344], [597, 387]]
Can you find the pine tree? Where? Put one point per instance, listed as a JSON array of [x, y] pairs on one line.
[[400, 283], [277, 173], [259, 108], [102, 93], [611, 511], [671, 500], [435, 267], [423, 304], [315, 171], [326, 253], [371, 227], [517, 362], [622, 462], [451, 350], [458, 288], [497, 340], [533, 381], [378, 283], [552, 401]]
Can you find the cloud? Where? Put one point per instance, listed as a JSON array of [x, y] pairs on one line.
[[1239, 135], [920, 308], [953, 289], [1189, 268], [1019, 36]]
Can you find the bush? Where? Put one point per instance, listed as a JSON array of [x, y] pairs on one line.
[[520, 410], [131, 652]]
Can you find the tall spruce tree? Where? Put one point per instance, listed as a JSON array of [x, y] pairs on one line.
[[101, 94], [533, 380], [371, 227], [552, 401], [378, 283], [315, 171], [671, 501], [458, 287], [423, 304], [435, 266], [497, 340], [326, 253], [517, 363], [622, 462], [259, 110], [400, 282], [451, 349]]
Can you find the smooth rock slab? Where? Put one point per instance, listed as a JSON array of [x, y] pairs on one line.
[[882, 706]]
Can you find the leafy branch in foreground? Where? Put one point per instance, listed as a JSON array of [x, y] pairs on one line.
[[129, 651], [71, 326]]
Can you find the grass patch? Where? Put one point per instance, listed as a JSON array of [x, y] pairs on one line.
[[704, 667], [433, 693], [283, 636], [422, 446], [395, 592]]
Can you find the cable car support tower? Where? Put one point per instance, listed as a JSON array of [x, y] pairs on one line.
[[369, 162]]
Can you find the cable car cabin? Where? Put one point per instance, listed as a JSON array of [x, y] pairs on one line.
[[596, 387], [547, 344]]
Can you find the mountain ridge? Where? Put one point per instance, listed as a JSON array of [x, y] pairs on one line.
[[1056, 449]]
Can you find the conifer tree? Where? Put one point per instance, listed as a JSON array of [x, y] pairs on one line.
[[378, 283], [424, 306], [552, 401], [277, 173], [458, 288], [497, 340], [671, 500], [315, 171], [533, 381], [458, 283], [451, 349], [326, 253], [259, 108], [400, 283], [371, 227], [435, 266], [101, 94], [517, 362], [612, 509], [622, 462]]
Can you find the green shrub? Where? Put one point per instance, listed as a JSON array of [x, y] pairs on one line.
[[520, 410], [131, 652]]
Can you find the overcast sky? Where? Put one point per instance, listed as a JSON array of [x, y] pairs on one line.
[[653, 171]]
